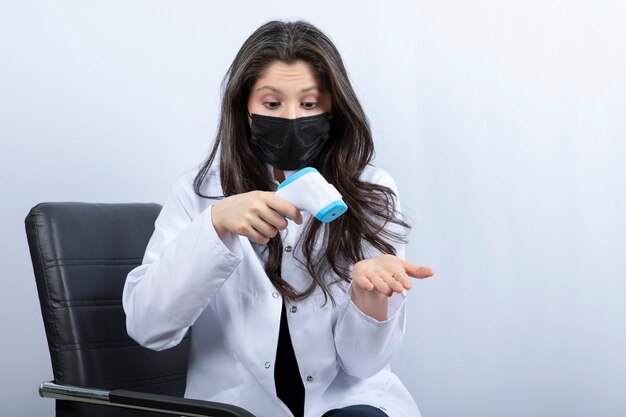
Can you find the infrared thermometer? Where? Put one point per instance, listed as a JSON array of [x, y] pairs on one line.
[[308, 191]]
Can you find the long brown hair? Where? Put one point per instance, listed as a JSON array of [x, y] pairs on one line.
[[347, 153]]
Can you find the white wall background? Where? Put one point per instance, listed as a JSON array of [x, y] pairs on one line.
[[502, 121]]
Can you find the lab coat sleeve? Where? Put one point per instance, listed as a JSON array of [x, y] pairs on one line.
[[184, 265], [365, 345]]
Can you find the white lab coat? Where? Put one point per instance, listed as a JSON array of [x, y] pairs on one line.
[[191, 277]]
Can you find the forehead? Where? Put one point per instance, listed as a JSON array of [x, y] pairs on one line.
[[284, 76]]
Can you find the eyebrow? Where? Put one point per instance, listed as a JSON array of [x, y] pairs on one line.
[[276, 90]]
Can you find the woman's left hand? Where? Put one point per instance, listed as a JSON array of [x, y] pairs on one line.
[[386, 274]]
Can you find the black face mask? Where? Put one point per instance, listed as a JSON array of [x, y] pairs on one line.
[[289, 144]]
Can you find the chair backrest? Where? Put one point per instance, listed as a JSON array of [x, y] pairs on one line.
[[81, 254]]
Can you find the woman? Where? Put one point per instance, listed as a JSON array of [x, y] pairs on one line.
[[290, 316]]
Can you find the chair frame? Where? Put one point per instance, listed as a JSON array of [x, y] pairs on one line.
[[141, 401]]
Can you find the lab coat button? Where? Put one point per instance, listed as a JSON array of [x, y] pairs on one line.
[[294, 309], [275, 294], [309, 378], [267, 365], [288, 248]]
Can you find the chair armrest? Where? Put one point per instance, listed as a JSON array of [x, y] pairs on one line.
[[142, 401]]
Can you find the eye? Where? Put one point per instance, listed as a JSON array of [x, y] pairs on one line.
[[271, 105], [309, 105]]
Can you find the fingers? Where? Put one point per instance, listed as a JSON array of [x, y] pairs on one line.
[[283, 206], [403, 278], [383, 282], [256, 214], [392, 283], [417, 271], [257, 236], [261, 231], [363, 282], [379, 283], [387, 274], [274, 219]]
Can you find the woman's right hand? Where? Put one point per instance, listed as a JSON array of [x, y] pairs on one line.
[[254, 214]]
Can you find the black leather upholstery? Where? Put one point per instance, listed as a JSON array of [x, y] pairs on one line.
[[81, 254]]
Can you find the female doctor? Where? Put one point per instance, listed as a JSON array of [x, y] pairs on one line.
[[290, 316]]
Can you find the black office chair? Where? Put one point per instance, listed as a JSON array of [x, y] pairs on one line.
[[81, 254]]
